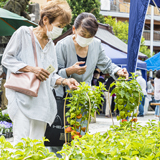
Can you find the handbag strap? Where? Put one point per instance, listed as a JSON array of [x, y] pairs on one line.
[[64, 91], [34, 47]]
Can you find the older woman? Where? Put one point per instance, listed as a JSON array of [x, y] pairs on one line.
[[31, 114], [80, 53]]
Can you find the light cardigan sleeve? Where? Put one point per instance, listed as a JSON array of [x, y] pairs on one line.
[[54, 79], [105, 64], [13, 48], [61, 60], [54, 75]]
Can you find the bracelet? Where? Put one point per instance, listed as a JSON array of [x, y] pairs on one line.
[[62, 82]]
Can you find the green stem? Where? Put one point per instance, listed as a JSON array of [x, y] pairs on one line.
[[81, 125], [76, 114], [132, 117], [68, 138]]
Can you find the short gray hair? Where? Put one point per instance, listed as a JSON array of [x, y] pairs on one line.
[[138, 73]]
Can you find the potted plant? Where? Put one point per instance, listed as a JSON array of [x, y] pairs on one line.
[[83, 103], [128, 97]]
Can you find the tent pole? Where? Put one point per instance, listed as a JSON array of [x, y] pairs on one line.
[[152, 29]]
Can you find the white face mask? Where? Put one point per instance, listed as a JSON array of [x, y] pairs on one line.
[[83, 42], [56, 32]]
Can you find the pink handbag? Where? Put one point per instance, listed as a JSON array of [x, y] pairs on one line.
[[26, 83]]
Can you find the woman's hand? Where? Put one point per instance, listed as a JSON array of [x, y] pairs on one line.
[[40, 73], [152, 93], [123, 73], [79, 69], [71, 83], [76, 69]]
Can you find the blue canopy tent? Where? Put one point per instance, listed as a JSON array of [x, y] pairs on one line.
[[120, 58], [155, 2], [138, 9], [153, 63]]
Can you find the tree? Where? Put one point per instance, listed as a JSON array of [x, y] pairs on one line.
[[120, 30], [92, 6], [2, 3], [144, 49]]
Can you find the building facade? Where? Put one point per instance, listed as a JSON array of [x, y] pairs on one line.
[[119, 9]]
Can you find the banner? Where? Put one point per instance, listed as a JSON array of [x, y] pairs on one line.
[[138, 9]]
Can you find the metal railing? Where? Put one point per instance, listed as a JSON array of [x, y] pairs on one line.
[[156, 37], [124, 7], [118, 6]]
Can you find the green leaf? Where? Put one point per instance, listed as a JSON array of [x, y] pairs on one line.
[[126, 157], [135, 153], [122, 93], [101, 156], [158, 154], [112, 84]]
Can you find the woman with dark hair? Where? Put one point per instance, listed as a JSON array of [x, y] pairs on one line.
[[30, 115], [157, 92], [80, 53]]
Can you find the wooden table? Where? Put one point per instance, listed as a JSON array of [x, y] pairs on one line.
[[156, 104]]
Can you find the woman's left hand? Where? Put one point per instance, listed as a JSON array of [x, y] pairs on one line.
[[123, 73], [71, 83]]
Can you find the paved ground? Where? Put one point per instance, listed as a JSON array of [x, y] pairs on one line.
[[102, 123]]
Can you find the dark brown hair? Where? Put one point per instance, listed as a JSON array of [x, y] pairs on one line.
[[88, 22], [158, 74], [56, 8]]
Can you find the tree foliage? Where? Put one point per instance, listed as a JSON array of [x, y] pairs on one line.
[[120, 30], [2, 3], [92, 6]]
